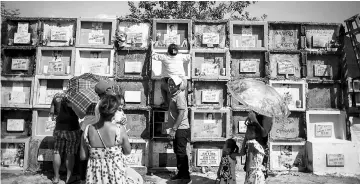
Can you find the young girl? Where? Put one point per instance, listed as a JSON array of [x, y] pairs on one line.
[[173, 65], [120, 117], [226, 172]]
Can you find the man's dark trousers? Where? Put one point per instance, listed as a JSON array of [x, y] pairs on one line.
[[180, 143]]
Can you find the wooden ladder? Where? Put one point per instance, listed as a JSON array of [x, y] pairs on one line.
[[353, 26]]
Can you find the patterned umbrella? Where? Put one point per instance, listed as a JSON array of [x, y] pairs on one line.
[[81, 92], [259, 97]]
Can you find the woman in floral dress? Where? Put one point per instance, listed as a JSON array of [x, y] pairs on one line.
[[254, 147], [105, 144]]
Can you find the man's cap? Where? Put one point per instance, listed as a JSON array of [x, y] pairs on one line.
[[177, 80], [102, 86]]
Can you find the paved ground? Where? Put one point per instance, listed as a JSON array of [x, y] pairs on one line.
[[197, 178]]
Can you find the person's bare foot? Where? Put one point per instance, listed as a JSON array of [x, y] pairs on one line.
[[55, 180]]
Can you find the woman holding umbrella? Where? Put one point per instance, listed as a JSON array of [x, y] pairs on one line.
[[254, 147], [264, 100]]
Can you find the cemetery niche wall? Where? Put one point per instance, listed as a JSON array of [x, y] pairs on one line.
[[301, 60]]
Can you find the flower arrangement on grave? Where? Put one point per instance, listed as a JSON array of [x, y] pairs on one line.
[[120, 39]]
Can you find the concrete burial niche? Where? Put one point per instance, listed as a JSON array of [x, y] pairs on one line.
[[211, 64], [162, 155], [21, 31], [137, 34], [319, 35], [160, 124], [323, 124], [14, 155], [293, 92], [290, 128], [46, 87], [167, 31], [95, 33], [209, 34], [131, 64], [328, 151], [287, 156], [209, 124], [16, 123], [55, 61], [323, 96], [284, 36], [18, 61], [135, 92], [238, 119], [338, 157], [246, 35], [42, 153], [137, 123], [210, 94], [16, 92], [321, 67], [157, 99], [58, 32], [139, 157], [41, 125], [247, 64], [96, 61], [284, 66]]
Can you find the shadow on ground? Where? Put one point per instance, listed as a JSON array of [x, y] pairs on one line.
[[164, 178]]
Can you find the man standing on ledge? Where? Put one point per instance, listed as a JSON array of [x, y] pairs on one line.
[[178, 119]]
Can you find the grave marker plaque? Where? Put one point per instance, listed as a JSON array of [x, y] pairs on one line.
[[17, 97], [20, 64], [132, 96], [210, 96], [320, 41], [133, 67], [286, 67], [285, 39], [23, 27], [249, 65], [58, 35], [322, 70], [208, 157], [335, 160], [210, 38], [323, 130], [22, 38], [15, 125], [56, 67]]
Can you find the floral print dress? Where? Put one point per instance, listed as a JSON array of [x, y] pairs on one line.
[[105, 165], [227, 170], [255, 156]]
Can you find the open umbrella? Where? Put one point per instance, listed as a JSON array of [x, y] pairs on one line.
[[259, 97], [81, 92]]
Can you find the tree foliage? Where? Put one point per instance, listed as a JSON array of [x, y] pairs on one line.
[[7, 12], [200, 10]]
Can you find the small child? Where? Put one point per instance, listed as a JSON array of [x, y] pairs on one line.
[[173, 64], [120, 117], [226, 172]]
